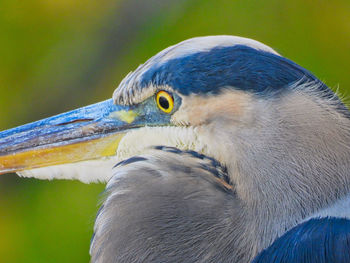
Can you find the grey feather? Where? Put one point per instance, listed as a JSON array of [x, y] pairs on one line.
[[287, 159], [171, 207]]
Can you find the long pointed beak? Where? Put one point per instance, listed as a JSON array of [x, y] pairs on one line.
[[87, 133]]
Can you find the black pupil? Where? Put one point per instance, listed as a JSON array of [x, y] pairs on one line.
[[164, 103]]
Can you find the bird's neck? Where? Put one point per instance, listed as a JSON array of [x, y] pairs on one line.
[[290, 160]]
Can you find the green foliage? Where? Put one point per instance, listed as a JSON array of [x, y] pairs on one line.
[[58, 55]]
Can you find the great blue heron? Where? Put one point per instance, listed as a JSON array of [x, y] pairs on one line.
[[224, 146]]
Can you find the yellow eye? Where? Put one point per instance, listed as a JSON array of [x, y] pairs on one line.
[[165, 101]]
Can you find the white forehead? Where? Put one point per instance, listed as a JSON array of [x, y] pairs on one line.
[[202, 44], [129, 91]]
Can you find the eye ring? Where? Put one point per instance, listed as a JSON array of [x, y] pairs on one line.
[[165, 101]]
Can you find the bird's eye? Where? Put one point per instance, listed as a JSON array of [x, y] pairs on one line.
[[165, 101]]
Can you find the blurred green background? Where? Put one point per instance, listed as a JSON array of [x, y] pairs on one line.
[[56, 55]]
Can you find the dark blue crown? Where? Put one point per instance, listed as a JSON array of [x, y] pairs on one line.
[[239, 67]]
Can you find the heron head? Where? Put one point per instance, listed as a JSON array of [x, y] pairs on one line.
[[204, 94]]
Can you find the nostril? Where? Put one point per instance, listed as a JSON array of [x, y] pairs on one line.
[[74, 121]]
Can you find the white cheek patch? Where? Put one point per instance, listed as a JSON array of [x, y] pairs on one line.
[[183, 138], [133, 143], [92, 171], [231, 104]]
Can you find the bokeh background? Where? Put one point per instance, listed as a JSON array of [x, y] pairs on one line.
[[56, 55]]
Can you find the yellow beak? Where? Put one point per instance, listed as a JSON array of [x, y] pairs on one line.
[[83, 134]]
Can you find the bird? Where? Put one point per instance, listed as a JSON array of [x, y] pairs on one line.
[[216, 149]]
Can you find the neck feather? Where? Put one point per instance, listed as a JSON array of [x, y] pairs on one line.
[[288, 159]]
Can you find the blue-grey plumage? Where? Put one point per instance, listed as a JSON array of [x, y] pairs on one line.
[[249, 146], [319, 240], [153, 214]]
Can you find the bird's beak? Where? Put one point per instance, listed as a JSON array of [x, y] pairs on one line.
[[87, 133]]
